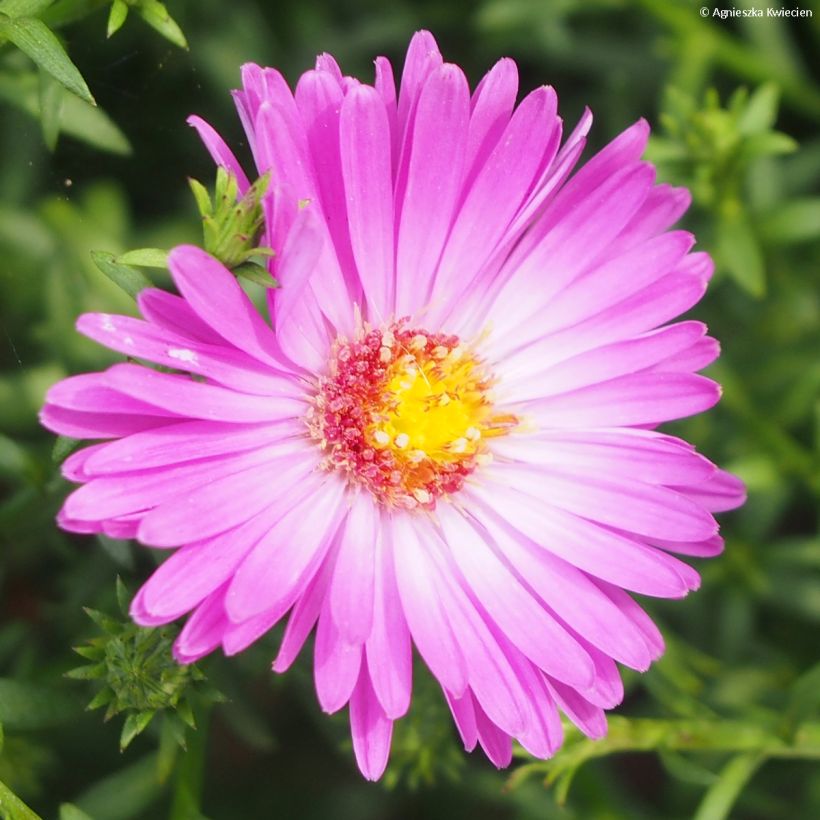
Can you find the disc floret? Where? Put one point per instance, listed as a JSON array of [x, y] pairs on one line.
[[405, 413]]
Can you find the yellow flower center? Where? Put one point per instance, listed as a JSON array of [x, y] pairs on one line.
[[405, 413]]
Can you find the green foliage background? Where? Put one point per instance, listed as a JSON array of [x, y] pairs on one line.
[[727, 724]]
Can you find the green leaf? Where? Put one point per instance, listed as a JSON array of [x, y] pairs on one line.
[[68, 811], [760, 112], [125, 794], [156, 15], [134, 724], [23, 8], [719, 799], [51, 108], [94, 126], [27, 706], [14, 460], [145, 257], [116, 17], [79, 119], [35, 38], [128, 278], [64, 447], [740, 254], [797, 220], [123, 596], [12, 807]]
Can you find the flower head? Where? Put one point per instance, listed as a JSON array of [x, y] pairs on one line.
[[446, 437]]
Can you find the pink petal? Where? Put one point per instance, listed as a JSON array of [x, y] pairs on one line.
[[516, 613], [282, 564], [423, 609], [233, 492], [303, 617], [626, 452], [370, 727], [433, 182], [213, 292], [389, 648], [219, 151], [592, 549], [366, 166], [351, 589], [638, 398], [336, 664], [630, 505], [183, 396]]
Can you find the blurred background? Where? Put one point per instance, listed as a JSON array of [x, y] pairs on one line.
[[726, 724]]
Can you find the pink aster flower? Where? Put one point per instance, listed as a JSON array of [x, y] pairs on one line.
[[446, 436]]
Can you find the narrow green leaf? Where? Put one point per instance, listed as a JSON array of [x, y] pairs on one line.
[[116, 17], [35, 38], [760, 112], [719, 799], [23, 8], [125, 794], [145, 258], [14, 460], [123, 596], [156, 15], [797, 220], [25, 706], [740, 254], [68, 811], [12, 807], [129, 279], [64, 447], [118, 550], [134, 724], [78, 119], [94, 126], [51, 108]]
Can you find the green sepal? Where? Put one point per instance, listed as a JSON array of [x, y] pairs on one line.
[[102, 698], [90, 652], [87, 672], [134, 725], [257, 274], [105, 622], [186, 714]]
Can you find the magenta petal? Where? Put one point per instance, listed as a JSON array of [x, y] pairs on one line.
[[336, 664], [351, 589], [219, 151], [389, 647], [366, 165], [423, 610], [370, 727]]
